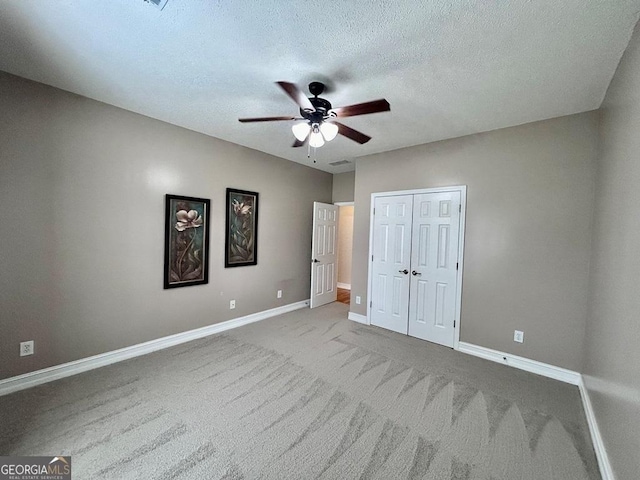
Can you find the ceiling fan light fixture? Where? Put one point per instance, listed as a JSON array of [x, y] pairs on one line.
[[329, 130], [301, 130], [315, 138]]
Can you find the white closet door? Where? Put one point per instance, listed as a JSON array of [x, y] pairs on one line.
[[434, 260], [391, 262], [324, 274]]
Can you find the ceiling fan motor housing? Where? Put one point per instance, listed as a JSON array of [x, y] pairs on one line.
[[322, 107]]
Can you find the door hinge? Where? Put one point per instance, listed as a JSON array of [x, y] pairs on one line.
[[374, 211], [372, 258], [460, 208], [371, 304], [454, 324], [457, 265]]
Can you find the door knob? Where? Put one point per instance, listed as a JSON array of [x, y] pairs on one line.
[[414, 273], [405, 271], [315, 260]]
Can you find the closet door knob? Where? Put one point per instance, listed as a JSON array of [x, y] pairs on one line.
[[405, 271], [414, 273]]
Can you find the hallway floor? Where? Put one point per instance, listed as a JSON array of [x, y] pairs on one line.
[[344, 295]]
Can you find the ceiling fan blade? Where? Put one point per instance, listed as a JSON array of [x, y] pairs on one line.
[[354, 135], [296, 94], [298, 143], [363, 108], [265, 119]]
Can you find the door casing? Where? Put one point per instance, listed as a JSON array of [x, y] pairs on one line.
[[463, 202]]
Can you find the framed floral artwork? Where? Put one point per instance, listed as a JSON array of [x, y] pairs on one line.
[[241, 239], [186, 244]]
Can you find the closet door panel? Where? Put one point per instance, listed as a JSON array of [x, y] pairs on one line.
[[434, 258], [393, 217]]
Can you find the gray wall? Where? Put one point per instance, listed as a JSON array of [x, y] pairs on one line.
[[343, 185], [82, 188], [528, 230], [612, 348]]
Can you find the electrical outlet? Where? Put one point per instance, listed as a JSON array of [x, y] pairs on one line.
[[518, 336], [358, 300], [232, 304], [279, 294], [26, 348]]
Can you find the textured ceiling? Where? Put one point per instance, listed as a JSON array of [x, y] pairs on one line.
[[448, 68]]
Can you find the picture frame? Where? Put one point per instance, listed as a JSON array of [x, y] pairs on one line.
[[186, 242], [241, 234]]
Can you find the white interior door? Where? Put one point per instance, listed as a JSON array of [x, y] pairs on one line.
[[324, 272], [434, 263], [391, 262]]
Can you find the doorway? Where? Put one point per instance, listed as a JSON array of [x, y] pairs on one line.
[[345, 246], [331, 246], [415, 272], [324, 251]]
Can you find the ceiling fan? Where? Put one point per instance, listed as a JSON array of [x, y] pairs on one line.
[[317, 122]]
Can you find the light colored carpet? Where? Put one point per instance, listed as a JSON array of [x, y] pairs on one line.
[[305, 395]]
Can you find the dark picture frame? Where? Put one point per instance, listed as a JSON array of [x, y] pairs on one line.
[[241, 234], [186, 241]]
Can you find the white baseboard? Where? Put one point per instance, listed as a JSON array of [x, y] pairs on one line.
[[533, 366], [356, 317], [31, 379], [346, 286], [606, 472]]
